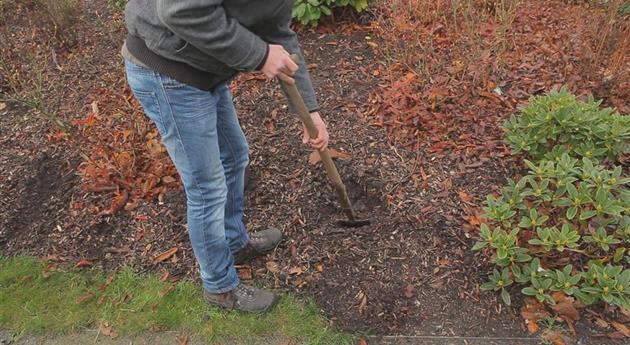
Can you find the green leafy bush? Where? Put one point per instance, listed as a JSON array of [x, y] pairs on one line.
[[557, 216], [565, 225], [558, 122], [309, 12], [119, 4]]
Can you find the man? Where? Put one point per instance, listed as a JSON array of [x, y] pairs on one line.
[[179, 56]]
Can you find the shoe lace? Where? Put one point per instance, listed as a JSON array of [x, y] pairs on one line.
[[256, 238], [245, 291]]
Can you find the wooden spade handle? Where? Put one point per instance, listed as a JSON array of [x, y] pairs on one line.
[[298, 102]]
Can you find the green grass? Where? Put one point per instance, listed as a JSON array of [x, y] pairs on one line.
[[32, 302]]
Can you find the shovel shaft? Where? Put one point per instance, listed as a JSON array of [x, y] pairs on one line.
[[331, 169]]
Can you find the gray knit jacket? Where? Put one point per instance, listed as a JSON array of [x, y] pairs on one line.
[[207, 42]]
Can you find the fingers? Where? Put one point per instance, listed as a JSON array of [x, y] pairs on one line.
[[279, 62], [285, 78], [319, 143], [305, 136], [291, 65]]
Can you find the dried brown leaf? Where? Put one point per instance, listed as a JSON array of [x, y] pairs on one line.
[[164, 275], [532, 326], [107, 331], [184, 340], [272, 266], [554, 337], [85, 297], [601, 323], [166, 255], [245, 273], [297, 270], [83, 263], [167, 290], [117, 204], [566, 310], [168, 179], [621, 328], [464, 196], [314, 157], [48, 270]]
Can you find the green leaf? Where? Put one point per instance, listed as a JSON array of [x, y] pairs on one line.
[[529, 291], [506, 297], [587, 215], [488, 286], [571, 212], [619, 254], [479, 246]]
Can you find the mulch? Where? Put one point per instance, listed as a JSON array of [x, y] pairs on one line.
[[410, 272]]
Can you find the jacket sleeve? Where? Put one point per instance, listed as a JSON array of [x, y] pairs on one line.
[[286, 37], [205, 25]]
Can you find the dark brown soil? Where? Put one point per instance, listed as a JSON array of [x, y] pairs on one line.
[[411, 272]]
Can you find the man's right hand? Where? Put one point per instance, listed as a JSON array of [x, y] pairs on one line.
[[279, 64]]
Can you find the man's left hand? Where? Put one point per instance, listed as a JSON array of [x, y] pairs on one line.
[[321, 142]]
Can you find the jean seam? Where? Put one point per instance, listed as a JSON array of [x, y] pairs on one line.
[[243, 242], [196, 182]]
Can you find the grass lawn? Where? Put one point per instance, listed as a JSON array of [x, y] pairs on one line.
[[37, 299]]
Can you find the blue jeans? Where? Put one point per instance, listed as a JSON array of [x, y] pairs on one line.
[[202, 135]]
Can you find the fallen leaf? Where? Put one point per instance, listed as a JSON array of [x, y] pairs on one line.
[[271, 128], [100, 300], [117, 204], [464, 196], [107, 283], [363, 301], [183, 340], [297, 270], [48, 270], [533, 311], [245, 273], [94, 188], [314, 157], [566, 310], [532, 326], [85, 297], [107, 331], [166, 255], [613, 335], [362, 341], [555, 337], [3, 106], [167, 290], [272, 266], [168, 179], [83, 263], [164, 275], [601, 323], [621, 328], [319, 267]]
